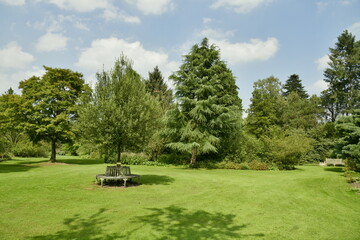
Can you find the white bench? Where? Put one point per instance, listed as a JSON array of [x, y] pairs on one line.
[[334, 161]]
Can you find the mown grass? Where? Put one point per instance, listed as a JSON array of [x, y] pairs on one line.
[[44, 201]]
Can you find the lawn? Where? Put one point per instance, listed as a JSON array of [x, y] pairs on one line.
[[46, 201]]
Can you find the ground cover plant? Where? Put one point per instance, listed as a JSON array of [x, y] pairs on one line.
[[40, 200]]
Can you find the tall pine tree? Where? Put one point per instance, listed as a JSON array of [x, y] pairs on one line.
[[157, 87], [208, 107], [293, 84], [343, 77]]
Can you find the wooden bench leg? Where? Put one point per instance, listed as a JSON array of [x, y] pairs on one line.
[[102, 181]]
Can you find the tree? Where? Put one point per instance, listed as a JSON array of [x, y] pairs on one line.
[[208, 108], [120, 114], [266, 106], [299, 112], [10, 128], [349, 141], [343, 77], [48, 105], [293, 84], [157, 87]]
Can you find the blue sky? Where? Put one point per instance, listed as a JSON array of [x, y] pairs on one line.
[[257, 38]]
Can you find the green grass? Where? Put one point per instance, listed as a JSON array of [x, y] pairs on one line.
[[44, 201]]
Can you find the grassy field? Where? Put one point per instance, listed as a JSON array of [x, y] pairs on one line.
[[45, 201]]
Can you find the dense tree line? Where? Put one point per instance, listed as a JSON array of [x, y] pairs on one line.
[[201, 121]]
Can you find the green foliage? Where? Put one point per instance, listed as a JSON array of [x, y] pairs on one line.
[[157, 87], [49, 105], [349, 141], [299, 112], [207, 103], [25, 148], [286, 149], [343, 77], [294, 85], [120, 115], [266, 106]]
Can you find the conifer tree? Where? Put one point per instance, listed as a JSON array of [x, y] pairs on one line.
[[343, 77], [157, 87], [293, 84], [208, 107]]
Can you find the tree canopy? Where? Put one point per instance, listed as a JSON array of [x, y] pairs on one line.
[[48, 105], [120, 114], [207, 102]]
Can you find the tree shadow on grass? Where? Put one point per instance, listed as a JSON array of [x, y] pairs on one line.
[[156, 180], [81, 161], [9, 168], [179, 223], [90, 228], [334, 169]]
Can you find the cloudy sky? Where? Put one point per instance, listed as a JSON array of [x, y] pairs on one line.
[[257, 38]]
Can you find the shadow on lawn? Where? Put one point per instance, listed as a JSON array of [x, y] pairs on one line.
[[179, 223], [156, 180], [90, 228], [9, 168], [334, 169], [81, 161]]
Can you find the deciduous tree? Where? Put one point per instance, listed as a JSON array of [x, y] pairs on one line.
[[48, 105]]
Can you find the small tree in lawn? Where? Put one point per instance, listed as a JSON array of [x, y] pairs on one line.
[[48, 105], [208, 108], [120, 114]]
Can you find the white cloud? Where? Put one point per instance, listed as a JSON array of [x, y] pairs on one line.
[[56, 23], [13, 2], [240, 6], [242, 52], [355, 29], [51, 42], [319, 85], [322, 63], [80, 5], [151, 7], [13, 57], [115, 14], [103, 53], [215, 33], [207, 20], [12, 79]]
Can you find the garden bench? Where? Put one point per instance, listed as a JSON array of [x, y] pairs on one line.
[[334, 161], [116, 173]]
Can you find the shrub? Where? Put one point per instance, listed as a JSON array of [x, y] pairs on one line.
[[233, 165], [27, 149], [257, 165]]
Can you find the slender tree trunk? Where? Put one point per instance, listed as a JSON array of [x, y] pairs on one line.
[[118, 153], [53, 150], [193, 156]]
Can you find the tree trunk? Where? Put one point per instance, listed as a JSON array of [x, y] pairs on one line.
[[118, 153], [53, 151], [193, 156]]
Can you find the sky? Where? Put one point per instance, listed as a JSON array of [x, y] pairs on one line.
[[257, 38]]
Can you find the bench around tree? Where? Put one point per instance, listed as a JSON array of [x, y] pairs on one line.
[[116, 173]]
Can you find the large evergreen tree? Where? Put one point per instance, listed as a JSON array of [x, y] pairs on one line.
[[208, 107], [120, 115], [294, 84], [343, 77], [48, 105], [157, 87]]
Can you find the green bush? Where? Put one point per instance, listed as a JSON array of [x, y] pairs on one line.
[[138, 159], [174, 158], [27, 149], [233, 165], [257, 165]]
